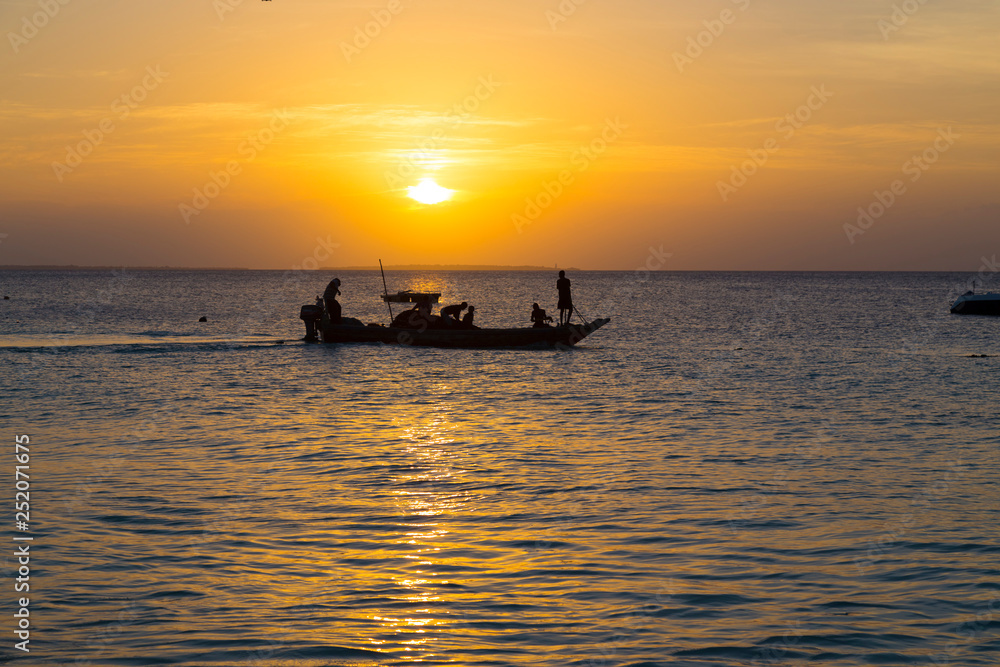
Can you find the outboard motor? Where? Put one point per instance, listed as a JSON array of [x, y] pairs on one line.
[[311, 315]]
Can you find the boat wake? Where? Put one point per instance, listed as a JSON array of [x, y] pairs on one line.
[[145, 340]]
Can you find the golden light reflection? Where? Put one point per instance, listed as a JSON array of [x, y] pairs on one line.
[[423, 283], [424, 502]]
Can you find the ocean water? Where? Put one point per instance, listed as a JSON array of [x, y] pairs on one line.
[[740, 469]]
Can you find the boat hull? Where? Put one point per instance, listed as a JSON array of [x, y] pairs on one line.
[[977, 304], [464, 338]]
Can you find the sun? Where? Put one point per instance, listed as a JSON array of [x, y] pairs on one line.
[[429, 192]]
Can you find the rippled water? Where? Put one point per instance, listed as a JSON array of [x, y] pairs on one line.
[[741, 469]]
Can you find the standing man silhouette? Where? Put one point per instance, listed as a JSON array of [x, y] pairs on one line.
[[565, 299]]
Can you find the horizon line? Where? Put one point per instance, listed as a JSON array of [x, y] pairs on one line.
[[442, 267]]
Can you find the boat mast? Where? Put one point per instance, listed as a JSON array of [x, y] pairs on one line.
[[386, 288]]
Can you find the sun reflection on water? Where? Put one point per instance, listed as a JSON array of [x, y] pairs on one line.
[[426, 504]]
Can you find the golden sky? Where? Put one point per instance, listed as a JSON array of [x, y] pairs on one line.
[[734, 134]]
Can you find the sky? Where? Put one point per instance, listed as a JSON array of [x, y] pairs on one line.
[[676, 135]]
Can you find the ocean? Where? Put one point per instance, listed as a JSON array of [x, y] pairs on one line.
[[740, 469]]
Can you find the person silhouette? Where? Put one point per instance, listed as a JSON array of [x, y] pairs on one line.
[[565, 299], [454, 312], [330, 299], [418, 317], [538, 317], [469, 316]]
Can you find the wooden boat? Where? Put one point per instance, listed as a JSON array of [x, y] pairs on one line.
[[566, 335], [977, 304], [431, 333]]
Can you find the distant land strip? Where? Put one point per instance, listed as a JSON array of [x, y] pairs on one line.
[[119, 267], [446, 267], [393, 267]]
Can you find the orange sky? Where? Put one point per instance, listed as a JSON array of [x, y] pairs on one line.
[[734, 134]]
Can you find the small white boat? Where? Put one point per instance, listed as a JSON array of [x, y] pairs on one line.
[[971, 303]]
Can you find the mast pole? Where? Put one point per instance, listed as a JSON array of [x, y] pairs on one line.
[[386, 288]]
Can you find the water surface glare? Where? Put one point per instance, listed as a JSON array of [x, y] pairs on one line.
[[741, 469]]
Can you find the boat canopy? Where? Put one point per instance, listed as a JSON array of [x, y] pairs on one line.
[[412, 297]]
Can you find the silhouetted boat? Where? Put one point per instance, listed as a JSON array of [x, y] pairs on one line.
[[977, 304], [469, 338], [432, 332]]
